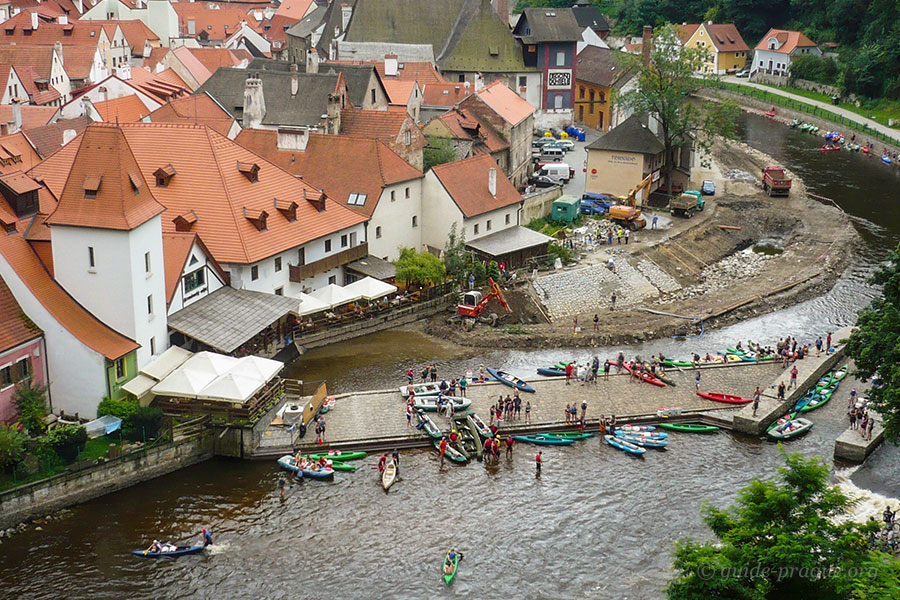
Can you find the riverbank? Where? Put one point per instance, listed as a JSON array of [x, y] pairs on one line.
[[703, 271]]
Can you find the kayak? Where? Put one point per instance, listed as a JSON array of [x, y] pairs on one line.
[[839, 374], [324, 474], [791, 429], [428, 426], [510, 380], [829, 148], [339, 466], [421, 389], [286, 462], [178, 551], [571, 436], [677, 363], [805, 400], [544, 440], [478, 425], [448, 577], [339, 455], [644, 442], [622, 444], [819, 399], [430, 403], [726, 398], [389, 475], [470, 441], [658, 435], [551, 372], [788, 417], [689, 427], [451, 453], [633, 428], [647, 377]]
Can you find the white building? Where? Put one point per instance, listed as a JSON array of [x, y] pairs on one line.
[[777, 48]]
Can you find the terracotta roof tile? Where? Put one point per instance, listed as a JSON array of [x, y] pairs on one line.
[[399, 92], [126, 109], [465, 125], [208, 183], [423, 72], [15, 327], [371, 162], [685, 31], [198, 109], [49, 138], [61, 306], [176, 250], [725, 37], [217, 24], [505, 102], [104, 187], [22, 56], [16, 153], [295, 9], [382, 124], [467, 183], [790, 40], [19, 183], [48, 31], [164, 85], [443, 94]]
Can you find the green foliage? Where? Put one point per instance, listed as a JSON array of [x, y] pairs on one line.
[[664, 89], [438, 151], [12, 446], [875, 344], [815, 68], [561, 252], [493, 270], [66, 441], [457, 260], [419, 267], [142, 424], [783, 538], [123, 408], [479, 272], [31, 403], [537, 223]]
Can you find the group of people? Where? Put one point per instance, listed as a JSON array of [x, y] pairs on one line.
[[158, 547], [305, 464], [586, 373], [492, 448], [509, 409], [383, 461], [860, 419]]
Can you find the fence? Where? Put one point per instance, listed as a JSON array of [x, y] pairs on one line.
[[778, 100]]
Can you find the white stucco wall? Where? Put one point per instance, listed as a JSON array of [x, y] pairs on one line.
[[497, 220], [395, 220], [440, 211], [77, 374], [115, 88], [117, 288], [211, 283]]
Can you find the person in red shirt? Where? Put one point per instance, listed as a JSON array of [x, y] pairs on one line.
[[509, 445], [538, 462], [569, 369]]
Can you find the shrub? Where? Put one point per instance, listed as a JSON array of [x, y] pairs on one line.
[[12, 446], [493, 270], [561, 252], [142, 424], [66, 441], [31, 402], [117, 408]]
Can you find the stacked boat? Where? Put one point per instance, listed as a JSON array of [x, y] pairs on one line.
[[635, 439], [553, 439]]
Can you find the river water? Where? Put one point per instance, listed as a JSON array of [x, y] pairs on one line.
[[597, 524]]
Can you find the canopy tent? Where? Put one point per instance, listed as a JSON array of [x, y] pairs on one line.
[[310, 305], [156, 370], [256, 367], [211, 376], [371, 288], [184, 381], [232, 388], [210, 362], [334, 295]]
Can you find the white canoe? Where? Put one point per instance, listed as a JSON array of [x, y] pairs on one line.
[[389, 475]]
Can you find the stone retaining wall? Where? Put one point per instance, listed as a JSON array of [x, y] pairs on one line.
[[539, 203], [43, 497]]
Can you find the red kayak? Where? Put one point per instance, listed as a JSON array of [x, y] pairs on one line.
[[830, 149], [645, 375], [726, 398], [770, 114]]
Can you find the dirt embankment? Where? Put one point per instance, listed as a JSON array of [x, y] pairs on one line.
[[721, 280]]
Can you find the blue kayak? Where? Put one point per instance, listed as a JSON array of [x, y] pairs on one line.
[[544, 440], [510, 380], [179, 551], [551, 372], [659, 435], [644, 442], [622, 444], [286, 463]]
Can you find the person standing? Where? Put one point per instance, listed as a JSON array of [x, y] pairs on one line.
[[583, 410], [756, 396], [612, 301], [425, 372], [794, 372], [606, 367], [509, 446], [853, 418], [281, 484], [433, 373], [481, 373], [575, 325], [538, 463], [619, 236], [655, 220], [443, 448], [517, 406], [871, 427], [528, 411], [627, 236], [409, 415], [819, 345], [781, 390], [609, 237], [697, 380], [568, 413], [463, 384], [569, 369], [852, 398], [828, 343], [596, 322]]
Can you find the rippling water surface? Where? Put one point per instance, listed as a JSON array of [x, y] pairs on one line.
[[598, 524]]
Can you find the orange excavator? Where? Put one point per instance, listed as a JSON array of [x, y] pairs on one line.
[[474, 302]]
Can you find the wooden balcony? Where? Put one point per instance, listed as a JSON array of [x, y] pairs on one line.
[[301, 272]]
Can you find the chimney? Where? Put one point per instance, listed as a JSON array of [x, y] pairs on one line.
[[709, 22], [346, 13], [333, 125], [139, 4], [391, 65], [502, 8], [17, 117], [57, 47], [295, 81], [312, 61], [123, 72], [63, 19], [85, 106], [69, 135], [34, 19], [492, 182], [646, 44], [254, 101]]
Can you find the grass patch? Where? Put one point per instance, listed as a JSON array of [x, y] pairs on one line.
[[516, 330], [92, 450], [880, 110]]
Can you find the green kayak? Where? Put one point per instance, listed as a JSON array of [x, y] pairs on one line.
[[339, 455], [677, 363], [838, 375], [571, 435], [689, 427], [339, 466], [817, 401], [788, 417], [449, 577]]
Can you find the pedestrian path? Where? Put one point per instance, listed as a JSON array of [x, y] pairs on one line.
[[847, 114]]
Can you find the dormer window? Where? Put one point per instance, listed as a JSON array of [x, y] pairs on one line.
[[249, 170], [258, 219], [357, 200], [185, 221], [288, 209], [135, 183], [164, 174], [92, 185]]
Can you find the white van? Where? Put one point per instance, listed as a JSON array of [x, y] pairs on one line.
[[560, 172], [552, 153]]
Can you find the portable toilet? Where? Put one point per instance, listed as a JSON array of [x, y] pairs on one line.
[[565, 208]]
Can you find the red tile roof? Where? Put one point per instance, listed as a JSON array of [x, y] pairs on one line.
[[467, 183], [683, 31], [506, 102], [199, 109], [16, 153], [104, 187], [217, 24], [382, 124], [136, 33], [38, 58], [208, 182], [176, 252], [373, 164], [78, 60], [32, 116], [164, 85], [399, 92], [789, 40], [17, 30], [443, 94], [61, 306], [15, 327], [295, 9], [725, 37], [47, 139], [423, 72], [126, 109], [465, 125]]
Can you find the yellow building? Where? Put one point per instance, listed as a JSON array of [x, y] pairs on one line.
[[727, 50], [597, 74]]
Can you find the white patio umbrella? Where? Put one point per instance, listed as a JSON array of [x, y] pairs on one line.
[[232, 387], [262, 369], [310, 305], [371, 288], [185, 382], [334, 295], [211, 362]]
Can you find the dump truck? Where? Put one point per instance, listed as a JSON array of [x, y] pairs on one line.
[[627, 216], [685, 205], [775, 182]]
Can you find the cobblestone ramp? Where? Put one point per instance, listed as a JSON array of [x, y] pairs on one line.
[[662, 280]]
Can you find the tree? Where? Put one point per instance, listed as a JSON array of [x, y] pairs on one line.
[[12, 446], [123, 408], [785, 538], [875, 344], [419, 267], [142, 424], [31, 402], [457, 260], [664, 90], [438, 151], [66, 441]]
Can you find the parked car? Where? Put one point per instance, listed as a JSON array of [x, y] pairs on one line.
[[708, 188], [542, 181], [594, 207], [566, 145], [560, 172], [552, 153], [743, 74]]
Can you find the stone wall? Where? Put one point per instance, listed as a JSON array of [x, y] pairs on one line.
[[558, 118], [43, 497], [539, 203], [803, 84]]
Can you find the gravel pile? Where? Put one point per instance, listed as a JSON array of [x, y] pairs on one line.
[[739, 175], [724, 273]]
